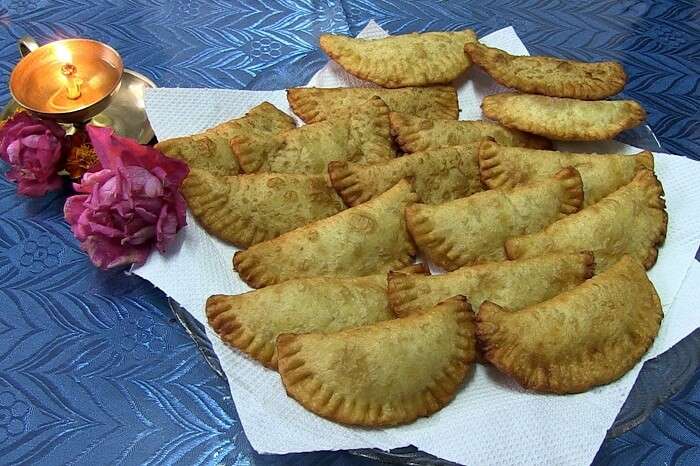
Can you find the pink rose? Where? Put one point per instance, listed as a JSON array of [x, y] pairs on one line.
[[131, 201], [33, 148]]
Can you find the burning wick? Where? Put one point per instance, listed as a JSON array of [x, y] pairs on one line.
[[73, 87]]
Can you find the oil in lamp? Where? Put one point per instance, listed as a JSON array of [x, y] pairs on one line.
[[76, 81]]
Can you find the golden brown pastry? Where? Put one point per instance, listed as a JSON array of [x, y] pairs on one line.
[[414, 134], [439, 175], [416, 59], [548, 75], [262, 117], [384, 374], [473, 229], [563, 119], [211, 151], [507, 167], [510, 284], [631, 220], [590, 335], [364, 240], [252, 321], [248, 209], [358, 136], [314, 104]]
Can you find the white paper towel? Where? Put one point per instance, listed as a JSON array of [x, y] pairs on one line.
[[491, 420]]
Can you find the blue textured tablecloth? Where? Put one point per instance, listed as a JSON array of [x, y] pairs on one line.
[[93, 367]]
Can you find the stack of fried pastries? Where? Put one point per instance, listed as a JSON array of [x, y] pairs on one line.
[[357, 136], [211, 150], [615, 316], [557, 98], [545, 252]]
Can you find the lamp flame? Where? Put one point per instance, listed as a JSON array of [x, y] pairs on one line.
[[63, 53], [68, 70]]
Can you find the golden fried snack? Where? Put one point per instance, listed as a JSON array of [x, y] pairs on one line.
[[631, 220], [414, 134], [263, 117], [205, 151], [402, 60], [590, 335], [548, 75], [563, 119], [383, 374], [439, 175], [211, 151], [359, 136], [248, 209], [252, 321], [364, 240], [473, 229], [314, 104], [507, 167], [512, 285]]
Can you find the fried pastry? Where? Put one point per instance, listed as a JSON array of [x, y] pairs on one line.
[[563, 119], [416, 59], [439, 175], [263, 117], [252, 321], [414, 134], [248, 209], [548, 75], [314, 104], [631, 220], [507, 167], [211, 151], [587, 336], [358, 136], [512, 285], [383, 374], [205, 151], [364, 240], [473, 229]]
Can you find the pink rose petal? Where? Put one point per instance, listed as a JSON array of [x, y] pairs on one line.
[[130, 203], [33, 149]]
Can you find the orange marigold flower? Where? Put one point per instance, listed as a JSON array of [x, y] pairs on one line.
[[80, 159]]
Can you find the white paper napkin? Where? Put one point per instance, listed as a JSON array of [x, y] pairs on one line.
[[679, 319], [491, 420]]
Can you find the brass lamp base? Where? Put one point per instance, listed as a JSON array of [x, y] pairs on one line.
[[126, 112]]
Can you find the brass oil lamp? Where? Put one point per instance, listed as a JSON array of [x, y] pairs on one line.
[[79, 81]]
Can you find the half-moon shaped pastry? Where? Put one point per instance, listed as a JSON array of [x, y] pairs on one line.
[[248, 209], [439, 175], [473, 229], [252, 321], [510, 284], [548, 75], [211, 151], [414, 134], [507, 167], [590, 335], [364, 240], [263, 117], [384, 374], [362, 136], [416, 59], [314, 104], [631, 220], [563, 119]]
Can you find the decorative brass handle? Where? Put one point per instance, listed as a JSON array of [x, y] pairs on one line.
[[26, 45]]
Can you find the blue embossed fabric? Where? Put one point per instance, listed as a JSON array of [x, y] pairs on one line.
[[94, 368]]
